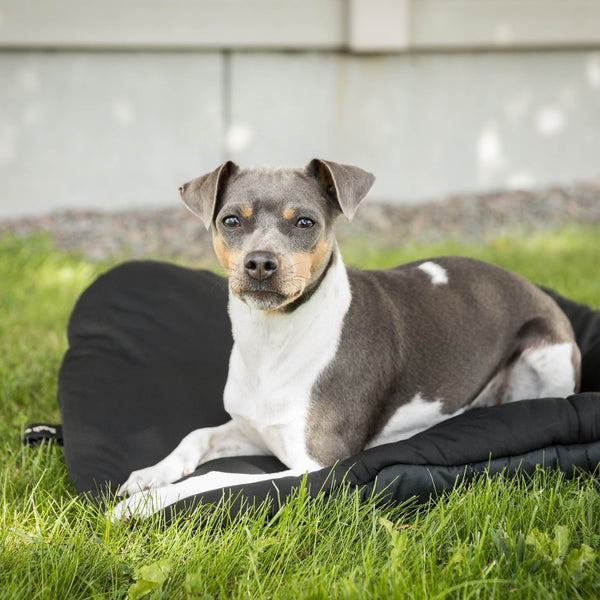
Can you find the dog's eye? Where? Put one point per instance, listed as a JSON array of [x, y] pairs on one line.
[[231, 222], [304, 223]]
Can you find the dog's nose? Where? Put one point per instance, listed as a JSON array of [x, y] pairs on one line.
[[261, 264]]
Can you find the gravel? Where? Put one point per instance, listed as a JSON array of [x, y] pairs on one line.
[[174, 233]]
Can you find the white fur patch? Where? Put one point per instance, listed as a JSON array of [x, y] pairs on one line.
[[546, 371], [542, 372], [410, 419], [438, 274]]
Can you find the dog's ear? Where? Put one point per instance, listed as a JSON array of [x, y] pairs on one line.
[[200, 195], [346, 185]]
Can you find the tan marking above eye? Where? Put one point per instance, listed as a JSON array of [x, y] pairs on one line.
[[245, 211], [289, 214]]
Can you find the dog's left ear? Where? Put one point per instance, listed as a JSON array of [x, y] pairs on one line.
[[345, 184], [200, 195]]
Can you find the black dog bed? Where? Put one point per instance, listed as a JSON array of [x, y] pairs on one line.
[[147, 362]]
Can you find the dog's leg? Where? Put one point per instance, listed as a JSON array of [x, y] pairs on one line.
[[542, 371], [197, 447], [146, 503]]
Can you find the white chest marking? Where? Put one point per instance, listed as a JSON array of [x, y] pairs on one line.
[[438, 274], [275, 361], [410, 419]]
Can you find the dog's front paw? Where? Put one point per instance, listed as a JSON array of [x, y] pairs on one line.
[[141, 505], [166, 471], [144, 479]]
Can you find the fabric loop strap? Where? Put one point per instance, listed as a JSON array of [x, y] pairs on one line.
[[40, 433]]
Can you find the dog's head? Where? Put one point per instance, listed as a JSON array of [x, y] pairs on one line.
[[273, 227]]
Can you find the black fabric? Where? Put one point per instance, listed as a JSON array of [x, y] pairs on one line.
[[554, 433], [147, 362]]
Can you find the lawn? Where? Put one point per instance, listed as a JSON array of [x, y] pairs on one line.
[[500, 537]]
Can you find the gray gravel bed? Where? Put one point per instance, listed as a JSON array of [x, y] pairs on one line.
[[175, 233]]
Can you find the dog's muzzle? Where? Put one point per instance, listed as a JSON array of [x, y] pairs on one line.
[[267, 283]]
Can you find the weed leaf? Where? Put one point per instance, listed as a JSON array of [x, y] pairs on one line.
[[194, 587], [578, 559], [149, 578], [398, 540], [560, 544]]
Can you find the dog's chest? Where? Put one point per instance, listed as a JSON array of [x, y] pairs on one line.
[[271, 402], [274, 364]]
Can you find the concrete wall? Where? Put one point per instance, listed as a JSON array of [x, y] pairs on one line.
[[90, 121]]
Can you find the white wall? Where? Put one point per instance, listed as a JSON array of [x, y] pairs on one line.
[[426, 124], [116, 117], [105, 130]]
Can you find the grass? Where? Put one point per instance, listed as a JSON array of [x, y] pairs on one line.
[[498, 538]]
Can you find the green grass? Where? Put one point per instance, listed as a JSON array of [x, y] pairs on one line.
[[498, 538]]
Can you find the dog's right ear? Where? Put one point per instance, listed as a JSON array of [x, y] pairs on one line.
[[200, 195], [344, 184]]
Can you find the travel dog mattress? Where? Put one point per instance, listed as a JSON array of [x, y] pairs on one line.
[[149, 345]]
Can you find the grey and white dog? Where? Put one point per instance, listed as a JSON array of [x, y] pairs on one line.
[[327, 360]]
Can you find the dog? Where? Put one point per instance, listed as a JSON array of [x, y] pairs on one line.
[[328, 360]]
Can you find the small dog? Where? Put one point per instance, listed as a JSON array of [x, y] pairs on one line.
[[328, 361]]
